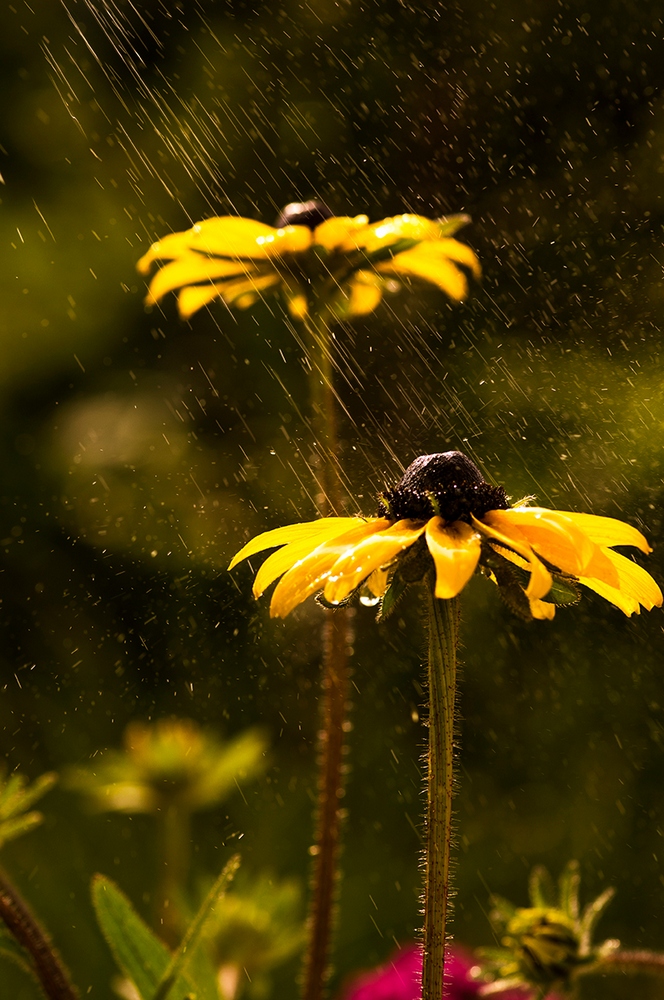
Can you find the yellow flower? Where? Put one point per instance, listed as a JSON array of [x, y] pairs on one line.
[[316, 260], [443, 514]]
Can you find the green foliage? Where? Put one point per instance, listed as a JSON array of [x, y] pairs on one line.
[[256, 927], [143, 958], [16, 798], [548, 944], [170, 763]]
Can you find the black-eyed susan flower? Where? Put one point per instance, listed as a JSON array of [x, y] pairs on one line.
[[320, 263], [443, 515]]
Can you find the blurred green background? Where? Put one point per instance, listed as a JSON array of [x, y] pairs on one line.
[[139, 452]]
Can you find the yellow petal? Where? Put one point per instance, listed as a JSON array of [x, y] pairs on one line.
[[310, 574], [363, 298], [635, 586], [169, 246], [298, 306], [389, 231], [232, 236], [232, 291], [334, 232], [551, 534], [290, 239], [285, 558], [438, 270], [461, 253], [509, 535], [542, 610], [374, 552], [377, 582], [294, 533], [191, 269], [195, 297], [608, 530], [455, 549]]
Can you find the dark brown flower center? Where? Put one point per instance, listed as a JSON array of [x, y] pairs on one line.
[[448, 484], [303, 213]]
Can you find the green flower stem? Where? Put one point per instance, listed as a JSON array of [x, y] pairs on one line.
[[174, 840], [336, 673], [443, 640], [51, 973]]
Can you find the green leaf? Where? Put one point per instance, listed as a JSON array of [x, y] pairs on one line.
[[450, 224], [139, 954], [540, 888], [180, 959], [501, 913], [569, 889], [564, 591], [16, 796], [591, 914], [391, 597]]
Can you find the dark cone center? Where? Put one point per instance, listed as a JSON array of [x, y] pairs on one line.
[[448, 484], [303, 213]]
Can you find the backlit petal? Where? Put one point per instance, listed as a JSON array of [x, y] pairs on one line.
[[363, 298], [608, 530], [510, 536], [634, 586], [232, 236], [317, 531], [169, 246], [193, 298], [438, 270], [374, 552], [542, 610], [389, 231], [377, 582], [455, 549], [551, 534], [310, 574], [191, 269], [290, 239], [232, 291], [285, 558], [334, 232]]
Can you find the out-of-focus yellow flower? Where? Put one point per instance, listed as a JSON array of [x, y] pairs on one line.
[[319, 262], [172, 760], [444, 514]]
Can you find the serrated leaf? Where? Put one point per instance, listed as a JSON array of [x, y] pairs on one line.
[[540, 888], [139, 953], [569, 889], [391, 598], [564, 591], [591, 914], [180, 959], [450, 224], [502, 911]]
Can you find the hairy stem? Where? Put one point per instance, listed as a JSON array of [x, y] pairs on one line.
[[443, 639], [625, 962], [336, 642], [48, 967]]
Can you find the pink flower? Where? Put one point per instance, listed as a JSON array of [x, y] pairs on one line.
[[400, 979]]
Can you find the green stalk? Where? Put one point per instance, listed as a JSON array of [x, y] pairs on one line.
[[443, 640], [336, 642], [174, 841]]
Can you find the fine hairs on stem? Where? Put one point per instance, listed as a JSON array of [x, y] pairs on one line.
[[336, 642], [443, 641], [48, 967]]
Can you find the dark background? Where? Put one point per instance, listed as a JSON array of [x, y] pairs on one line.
[[139, 452]]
